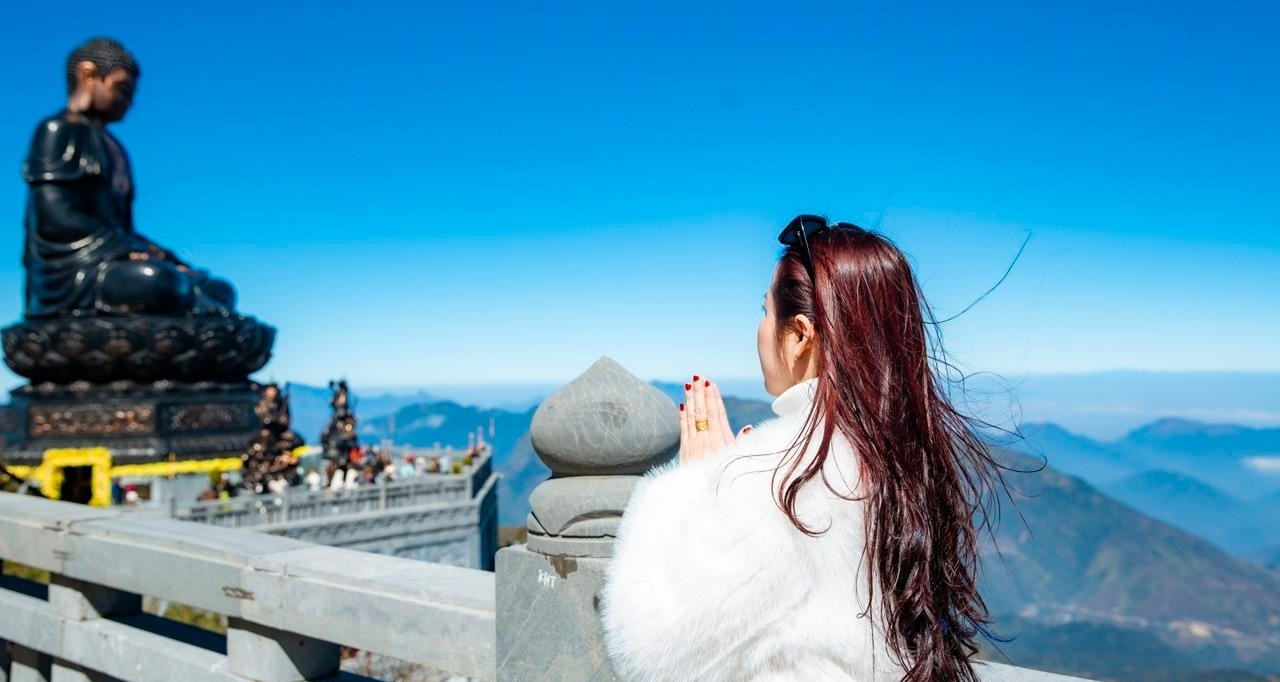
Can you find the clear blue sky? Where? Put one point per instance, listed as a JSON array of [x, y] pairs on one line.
[[421, 195]]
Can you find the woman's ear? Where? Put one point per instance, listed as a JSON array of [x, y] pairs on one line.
[[805, 333], [801, 338]]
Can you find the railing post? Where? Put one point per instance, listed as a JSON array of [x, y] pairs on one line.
[[29, 665], [597, 434], [79, 600], [266, 654], [63, 671]]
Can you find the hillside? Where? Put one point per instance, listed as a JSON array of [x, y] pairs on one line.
[[1089, 558], [1196, 507], [1108, 653]]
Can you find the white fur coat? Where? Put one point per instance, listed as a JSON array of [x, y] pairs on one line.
[[711, 582]]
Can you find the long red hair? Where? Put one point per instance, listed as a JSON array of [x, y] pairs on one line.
[[925, 474]]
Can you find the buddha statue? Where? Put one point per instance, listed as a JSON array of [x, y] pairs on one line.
[[82, 254], [103, 303]]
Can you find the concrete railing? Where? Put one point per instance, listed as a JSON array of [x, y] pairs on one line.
[[300, 505], [289, 604]]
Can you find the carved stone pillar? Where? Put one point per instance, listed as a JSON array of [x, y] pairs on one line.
[[596, 434]]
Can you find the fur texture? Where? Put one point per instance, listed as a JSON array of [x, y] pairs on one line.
[[711, 582]]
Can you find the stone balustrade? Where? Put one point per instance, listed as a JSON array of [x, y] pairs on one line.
[[301, 505], [290, 603]]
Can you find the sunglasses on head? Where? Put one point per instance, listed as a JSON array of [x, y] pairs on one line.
[[804, 227]]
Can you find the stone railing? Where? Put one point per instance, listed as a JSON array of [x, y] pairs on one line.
[[289, 604], [301, 505]]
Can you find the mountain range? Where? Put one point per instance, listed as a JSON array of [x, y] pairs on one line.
[[1072, 555], [1220, 482]]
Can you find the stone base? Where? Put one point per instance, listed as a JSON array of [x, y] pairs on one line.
[[105, 348], [138, 423], [548, 618]]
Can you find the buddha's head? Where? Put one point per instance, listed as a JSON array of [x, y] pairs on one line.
[[101, 79]]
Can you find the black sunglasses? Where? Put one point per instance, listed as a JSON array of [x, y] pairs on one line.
[[804, 227]]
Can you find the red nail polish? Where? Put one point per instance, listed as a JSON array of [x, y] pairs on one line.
[[687, 387], [682, 407], [695, 377], [707, 383]]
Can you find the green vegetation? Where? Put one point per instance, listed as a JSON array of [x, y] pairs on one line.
[[25, 572], [189, 615]]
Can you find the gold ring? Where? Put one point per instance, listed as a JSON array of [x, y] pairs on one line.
[[701, 425]]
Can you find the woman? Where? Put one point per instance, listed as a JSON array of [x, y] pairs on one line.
[[834, 542]]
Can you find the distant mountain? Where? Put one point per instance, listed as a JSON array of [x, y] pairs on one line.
[[1269, 508], [1107, 405], [448, 424], [1083, 557], [1075, 455], [309, 406], [1192, 436], [1197, 507], [1212, 481], [1267, 556], [1224, 456]]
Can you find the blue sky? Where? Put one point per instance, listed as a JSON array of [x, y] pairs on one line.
[[420, 194]]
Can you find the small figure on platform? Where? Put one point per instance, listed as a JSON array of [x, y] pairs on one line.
[[82, 254], [270, 462], [339, 436]]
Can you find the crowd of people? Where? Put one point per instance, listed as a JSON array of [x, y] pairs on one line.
[[273, 461], [374, 466]]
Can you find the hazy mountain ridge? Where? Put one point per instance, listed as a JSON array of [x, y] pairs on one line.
[[448, 423], [1202, 478], [1196, 507]]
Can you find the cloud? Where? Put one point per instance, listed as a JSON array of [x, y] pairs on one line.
[[1264, 465]]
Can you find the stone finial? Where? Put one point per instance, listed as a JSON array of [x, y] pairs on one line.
[[605, 422], [596, 433]]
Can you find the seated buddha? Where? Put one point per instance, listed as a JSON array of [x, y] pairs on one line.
[[82, 254]]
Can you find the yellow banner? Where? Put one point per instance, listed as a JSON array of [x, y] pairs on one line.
[[49, 472]]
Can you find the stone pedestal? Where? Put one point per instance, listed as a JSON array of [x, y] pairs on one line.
[[143, 388], [138, 423], [548, 617], [596, 434]]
